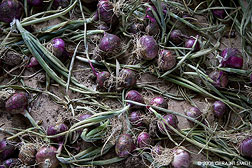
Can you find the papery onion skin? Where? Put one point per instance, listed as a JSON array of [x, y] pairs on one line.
[[148, 47], [27, 154], [181, 159], [105, 12], [17, 103], [231, 57], [56, 129], [134, 95], [136, 28], [6, 149], [220, 79], [170, 119], [136, 118], [195, 113], [102, 78], [159, 102], [166, 60], [109, 42], [46, 157], [152, 28], [10, 10], [190, 42], [219, 108], [124, 145], [246, 147], [127, 78], [143, 140]]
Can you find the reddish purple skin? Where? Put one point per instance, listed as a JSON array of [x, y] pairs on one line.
[[62, 3], [143, 140], [176, 36], [56, 129], [129, 78], [9, 163], [6, 149], [135, 118], [170, 119], [33, 63], [231, 57], [159, 102], [136, 28], [220, 79], [219, 13], [47, 153], [102, 77], [148, 47], [58, 47], [181, 159], [219, 108], [109, 42], [246, 147], [17, 103], [124, 145], [10, 9], [166, 60], [152, 28], [134, 96], [35, 2], [105, 12], [190, 42], [195, 113]]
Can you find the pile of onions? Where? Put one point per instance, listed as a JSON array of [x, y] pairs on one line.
[[166, 60], [181, 158], [10, 10], [170, 119], [46, 157], [124, 145], [148, 47], [231, 57]]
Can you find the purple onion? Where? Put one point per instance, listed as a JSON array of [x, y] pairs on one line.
[[46, 157], [60, 3], [148, 47], [127, 78], [33, 63], [181, 158], [143, 140], [56, 129], [195, 113], [12, 162], [152, 28], [6, 149], [166, 60], [136, 28], [246, 147], [109, 42], [149, 13], [220, 79], [159, 102], [136, 118], [231, 57], [176, 36], [170, 119], [84, 116], [10, 10], [105, 12], [219, 109], [58, 47], [219, 13], [124, 145], [102, 78], [27, 154], [190, 42], [134, 95], [17, 103], [35, 2]]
